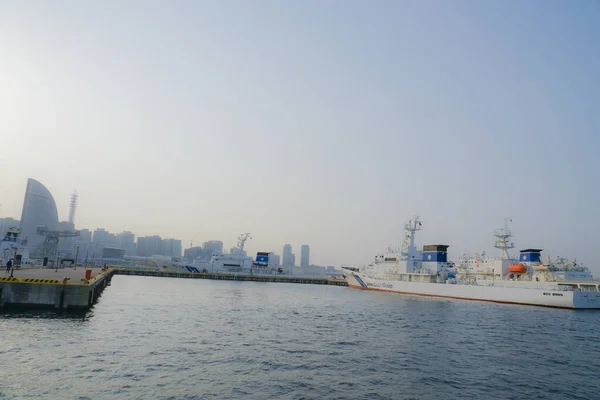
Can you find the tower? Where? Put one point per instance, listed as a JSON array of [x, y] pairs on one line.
[[502, 237], [72, 207], [287, 256], [304, 256]]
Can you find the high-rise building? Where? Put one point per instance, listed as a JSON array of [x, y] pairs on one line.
[[171, 248], [101, 239], [274, 259], [126, 240], [101, 236], [155, 245], [193, 252], [304, 256], [85, 235], [213, 246], [287, 259], [112, 238], [84, 240], [142, 247], [148, 246], [39, 208]]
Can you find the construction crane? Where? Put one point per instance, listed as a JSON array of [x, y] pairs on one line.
[[51, 239]]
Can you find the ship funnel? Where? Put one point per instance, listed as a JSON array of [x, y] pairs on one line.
[[262, 258], [435, 257], [530, 255]]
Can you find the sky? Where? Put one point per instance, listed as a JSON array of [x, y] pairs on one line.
[[328, 123]]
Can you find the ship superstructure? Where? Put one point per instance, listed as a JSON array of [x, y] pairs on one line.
[[14, 248]]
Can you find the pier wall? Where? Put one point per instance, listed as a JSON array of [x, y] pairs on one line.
[[35, 291], [232, 277], [53, 294]]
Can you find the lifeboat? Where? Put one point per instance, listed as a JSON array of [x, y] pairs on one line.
[[517, 269]]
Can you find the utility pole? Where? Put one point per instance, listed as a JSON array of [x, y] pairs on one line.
[[76, 254]]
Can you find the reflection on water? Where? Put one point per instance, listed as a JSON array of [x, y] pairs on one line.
[[45, 314]]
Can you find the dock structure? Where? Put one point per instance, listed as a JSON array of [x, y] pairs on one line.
[[231, 277], [60, 289], [73, 289]]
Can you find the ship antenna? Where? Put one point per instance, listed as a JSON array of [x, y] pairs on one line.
[[502, 240], [411, 227], [242, 240]]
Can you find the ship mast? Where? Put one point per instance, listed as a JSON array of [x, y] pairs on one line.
[[412, 226], [502, 240], [242, 240]]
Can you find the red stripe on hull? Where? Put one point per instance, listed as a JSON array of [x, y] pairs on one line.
[[458, 298]]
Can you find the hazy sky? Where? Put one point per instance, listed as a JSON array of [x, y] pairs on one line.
[[321, 122]]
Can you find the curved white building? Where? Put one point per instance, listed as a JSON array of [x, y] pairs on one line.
[[39, 208]]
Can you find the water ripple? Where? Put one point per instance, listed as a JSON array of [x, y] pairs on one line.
[[151, 338]]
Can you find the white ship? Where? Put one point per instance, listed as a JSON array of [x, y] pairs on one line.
[[238, 262], [502, 280], [14, 248]]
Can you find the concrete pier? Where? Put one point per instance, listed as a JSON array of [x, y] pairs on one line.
[[68, 288], [231, 277], [62, 289]]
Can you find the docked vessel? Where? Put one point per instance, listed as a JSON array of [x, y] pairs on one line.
[[14, 248], [504, 280]]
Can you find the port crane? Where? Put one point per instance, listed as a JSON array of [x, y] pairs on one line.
[[51, 239]]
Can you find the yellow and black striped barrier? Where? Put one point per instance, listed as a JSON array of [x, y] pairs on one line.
[[35, 280], [30, 280]]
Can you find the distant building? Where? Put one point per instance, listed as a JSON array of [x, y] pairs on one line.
[[171, 248], [205, 251], [213, 246], [126, 241], [39, 208], [193, 252], [101, 236], [112, 238], [110, 252], [274, 259], [85, 235], [148, 246], [67, 244], [101, 239], [286, 260], [141, 247], [154, 245], [304, 256], [84, 241]]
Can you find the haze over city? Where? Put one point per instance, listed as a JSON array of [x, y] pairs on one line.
[[325, 123]]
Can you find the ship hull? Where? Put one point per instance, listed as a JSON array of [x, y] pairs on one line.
[[496, 294]]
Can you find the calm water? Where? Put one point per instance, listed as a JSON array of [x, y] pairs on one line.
[[155, 338]]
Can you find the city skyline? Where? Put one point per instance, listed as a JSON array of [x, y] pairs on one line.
[[40, 208], [201, 123]]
